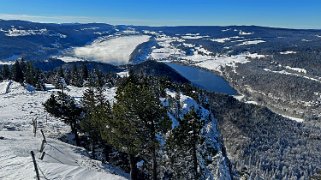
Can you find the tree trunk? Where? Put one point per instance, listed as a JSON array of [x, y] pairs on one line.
[[107, 151], [75, 132], [195, 161], [133, 167], [154, 158], [194, 155], [93, 150]]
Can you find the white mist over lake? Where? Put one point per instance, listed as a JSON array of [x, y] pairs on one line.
[[115, 51]]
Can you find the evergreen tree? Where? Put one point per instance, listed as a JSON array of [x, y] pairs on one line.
[[6, 74], [17, 74], [185, 139], [30, 74], [64, 107], [96, 119], [76, 79], [138, 119], [84, 71], [1, 75], [61, 73]]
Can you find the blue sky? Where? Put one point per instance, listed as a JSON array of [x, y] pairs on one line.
[[277, 13]]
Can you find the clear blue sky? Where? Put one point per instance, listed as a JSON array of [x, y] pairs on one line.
[[277, 13]]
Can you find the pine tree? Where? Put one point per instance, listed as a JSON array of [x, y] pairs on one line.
[[61, 73], [17, 74], [30, 74], [84, 71], [138, 119], [88, 124], [97, 117], [76, 79], [64, 107], [6, 74], [185, 139]]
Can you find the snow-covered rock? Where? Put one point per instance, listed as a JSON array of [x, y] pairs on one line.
[[218, 166]]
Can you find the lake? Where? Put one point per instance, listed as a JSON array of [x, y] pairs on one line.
[[204, 79]]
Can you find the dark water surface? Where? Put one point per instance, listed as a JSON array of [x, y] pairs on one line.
[[204, 79]]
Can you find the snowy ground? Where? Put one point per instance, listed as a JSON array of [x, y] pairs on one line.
[[201, 57], [18, 107]]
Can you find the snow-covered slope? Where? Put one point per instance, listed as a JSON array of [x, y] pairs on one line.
[[18, 107], [170, 48], [212, 165]]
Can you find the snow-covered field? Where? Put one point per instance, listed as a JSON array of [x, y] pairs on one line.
[[199, 56], [253, 42], [21, 32], [288, 52], [18, 107], [223, 40], [115, 50]]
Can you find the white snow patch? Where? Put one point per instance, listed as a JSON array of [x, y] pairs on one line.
[[223, 40], [293, 118], [251, 102], [305, 40], [21, 32], [292, 74], [166, 49], [239, 97], [219, 62], [224, 30], [300, 70], [288, 52], [150, 32], [90, 28], [6, 62], [130, 31], [243, 33], [69, 58], [255, 56], [253, 42], [191, 36], [123, 74]]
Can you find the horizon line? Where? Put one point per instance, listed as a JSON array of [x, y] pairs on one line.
[[130, 22]]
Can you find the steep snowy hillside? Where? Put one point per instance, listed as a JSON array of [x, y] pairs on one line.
[[18, 107], [211, 159]]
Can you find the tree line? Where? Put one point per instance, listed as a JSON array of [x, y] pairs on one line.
[[134, 126]]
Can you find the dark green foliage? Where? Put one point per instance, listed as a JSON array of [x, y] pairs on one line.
[[6, 73], [265, 143], [31, 75], [97, 117], [138, 119], [64, 107], [84, 71], [76, 78], [157, 69], [185, 139], [16, 72]]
